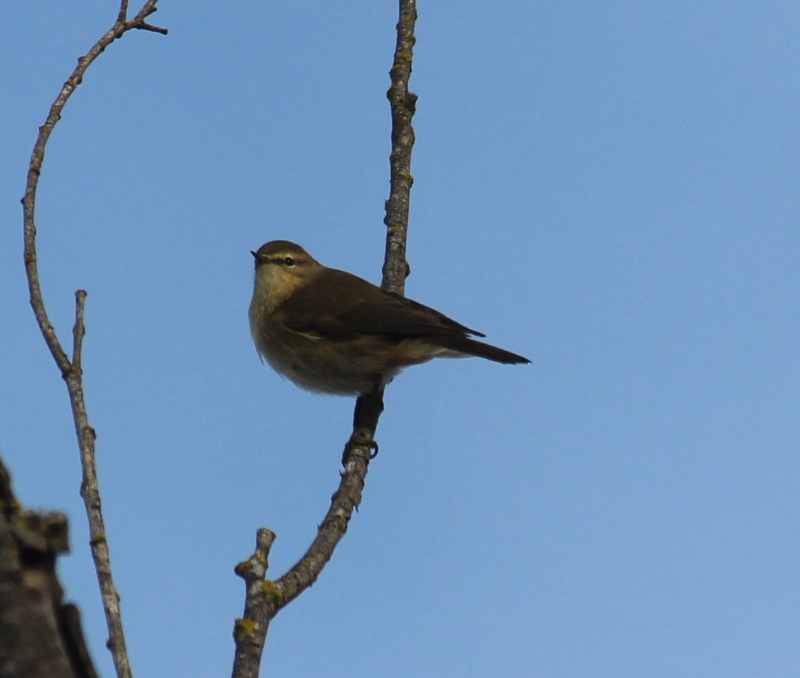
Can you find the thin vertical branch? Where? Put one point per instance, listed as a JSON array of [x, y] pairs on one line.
[[123, 11], [247, 633], [71, 370], [403, 104], [264, 598], [78, 331]]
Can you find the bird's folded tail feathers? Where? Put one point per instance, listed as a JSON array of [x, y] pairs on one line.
[[467, 346]]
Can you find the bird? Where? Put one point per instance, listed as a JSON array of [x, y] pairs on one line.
[[329, 331]]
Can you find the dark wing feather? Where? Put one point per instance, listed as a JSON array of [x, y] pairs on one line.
[[353, 305]]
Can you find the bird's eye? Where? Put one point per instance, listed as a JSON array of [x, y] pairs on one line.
[[288, 261]]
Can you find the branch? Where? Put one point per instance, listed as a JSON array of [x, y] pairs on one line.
[[259, 608], [71, 370], [403, 104], [264, 598]]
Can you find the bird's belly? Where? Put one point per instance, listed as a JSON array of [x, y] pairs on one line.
[[323, 366]]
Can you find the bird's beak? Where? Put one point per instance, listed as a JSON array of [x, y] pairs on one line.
[[257, 258]]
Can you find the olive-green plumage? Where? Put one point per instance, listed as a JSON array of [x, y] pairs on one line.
[[333, 332]]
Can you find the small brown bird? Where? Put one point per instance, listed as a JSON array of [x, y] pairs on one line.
[[332, 332]]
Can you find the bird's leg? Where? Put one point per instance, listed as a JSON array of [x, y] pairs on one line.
[[365, 418], [369, 407]]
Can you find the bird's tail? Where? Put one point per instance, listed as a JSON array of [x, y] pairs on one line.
[[464, 346]]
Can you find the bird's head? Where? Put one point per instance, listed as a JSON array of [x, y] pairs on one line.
[[281, 268]]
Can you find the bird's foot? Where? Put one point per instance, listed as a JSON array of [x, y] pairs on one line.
[[356, 442]]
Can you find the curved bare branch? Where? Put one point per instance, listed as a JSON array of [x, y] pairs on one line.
[[70, 369]]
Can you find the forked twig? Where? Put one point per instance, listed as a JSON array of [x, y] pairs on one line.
[[71, 370], [264, 598]]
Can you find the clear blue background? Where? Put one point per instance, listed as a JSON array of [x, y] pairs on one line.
[[608, 188]]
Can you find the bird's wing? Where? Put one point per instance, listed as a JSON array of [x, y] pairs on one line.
[[396, 315], [358, 306]]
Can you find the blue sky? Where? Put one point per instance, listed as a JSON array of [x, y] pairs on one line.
[[608, 188]]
